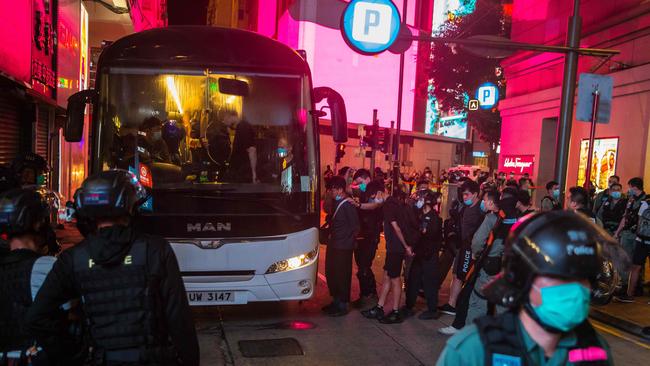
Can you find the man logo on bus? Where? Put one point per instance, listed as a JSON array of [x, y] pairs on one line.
[[208, 226], [372, 23]]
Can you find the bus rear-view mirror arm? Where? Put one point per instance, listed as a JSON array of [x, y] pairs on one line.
[[338, 113]]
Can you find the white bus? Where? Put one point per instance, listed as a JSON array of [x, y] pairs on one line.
[[220, 127]]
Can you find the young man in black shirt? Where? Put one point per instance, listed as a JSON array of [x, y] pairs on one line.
[[396, 250], [368, 239], [550, 201], [338, 258], [471, 219], [612, 208], [424, 269]]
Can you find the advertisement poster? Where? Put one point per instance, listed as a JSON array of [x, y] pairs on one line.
[[603, 164]]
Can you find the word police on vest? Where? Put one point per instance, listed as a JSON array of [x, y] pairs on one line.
[[373, 24], [127, 261]]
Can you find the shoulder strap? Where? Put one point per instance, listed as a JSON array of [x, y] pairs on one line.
[[337, 208], [589, 350]]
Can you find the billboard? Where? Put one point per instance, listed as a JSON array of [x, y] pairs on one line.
[[451, 126], [68, 52], [603, 163]]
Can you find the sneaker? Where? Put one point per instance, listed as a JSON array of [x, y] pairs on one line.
[[376, 312], [447, 309], [340, 310], [365, 301], [428, 315], [449, 331], [624, 299], [393, 317], [406, 312]]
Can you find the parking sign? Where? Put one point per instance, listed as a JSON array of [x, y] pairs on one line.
[[370, 26], [487, 95]]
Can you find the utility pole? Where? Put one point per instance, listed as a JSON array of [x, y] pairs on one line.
[[375, 141], [400, 91], [567, 99]]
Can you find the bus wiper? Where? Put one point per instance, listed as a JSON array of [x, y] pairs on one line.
[[265, 203]]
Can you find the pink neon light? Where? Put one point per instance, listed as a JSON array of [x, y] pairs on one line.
[[15, 39]]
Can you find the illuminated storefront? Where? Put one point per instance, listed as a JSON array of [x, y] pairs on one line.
[[530, 111]]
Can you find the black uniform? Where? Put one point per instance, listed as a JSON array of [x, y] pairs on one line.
[[367, 242], [424, 268], [132, 296], [612, 213]]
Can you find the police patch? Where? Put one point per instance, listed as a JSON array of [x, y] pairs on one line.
[[505, 360]]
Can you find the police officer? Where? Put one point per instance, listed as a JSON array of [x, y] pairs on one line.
[[23, 215], [132, 293], [552, 262], [551, 201]]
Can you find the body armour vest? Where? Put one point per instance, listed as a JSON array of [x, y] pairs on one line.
[[504, 345], [121, 301], [15, 299]]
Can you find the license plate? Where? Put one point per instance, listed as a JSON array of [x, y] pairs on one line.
[[211, 297]]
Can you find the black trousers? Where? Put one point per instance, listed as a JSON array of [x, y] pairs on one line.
[[364, 254], [462, 304], [423, 275], [338, 270]]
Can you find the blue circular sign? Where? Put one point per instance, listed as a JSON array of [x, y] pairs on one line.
[[370, 26], [487, 95]]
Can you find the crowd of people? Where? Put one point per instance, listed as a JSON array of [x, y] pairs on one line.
[[421, 248]]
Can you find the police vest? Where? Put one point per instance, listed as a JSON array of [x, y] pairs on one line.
[[15, 299], [122, 306], [556, 205], [503, 343]]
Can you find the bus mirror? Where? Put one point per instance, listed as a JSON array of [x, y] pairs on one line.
[[74, 124], [233, 87], [338, 115]]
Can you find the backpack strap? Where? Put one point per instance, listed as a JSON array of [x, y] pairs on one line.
[[337, 210]]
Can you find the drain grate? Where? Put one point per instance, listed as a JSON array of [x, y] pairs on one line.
[[270, 347]]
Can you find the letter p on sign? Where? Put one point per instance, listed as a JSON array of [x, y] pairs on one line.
[[372, 23]]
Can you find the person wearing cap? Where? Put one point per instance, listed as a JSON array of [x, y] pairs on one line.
[[131, 290], [23, 219], [552, 267]]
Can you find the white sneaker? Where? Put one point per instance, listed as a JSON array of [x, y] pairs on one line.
[[449, 331]]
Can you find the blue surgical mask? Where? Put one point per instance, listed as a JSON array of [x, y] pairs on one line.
[[379, 200], [630, 192], [563, 307], [556, 193], [468, 202], [419, 204], [282, 152], [338, 197], [363, 186], [615, 195], [483, 208]]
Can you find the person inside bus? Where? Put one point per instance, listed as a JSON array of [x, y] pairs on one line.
[[243, 158], [153, 141], [173, 133]]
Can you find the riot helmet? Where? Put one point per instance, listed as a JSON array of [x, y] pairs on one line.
[[22, 211], [110, 194], [557, 244]]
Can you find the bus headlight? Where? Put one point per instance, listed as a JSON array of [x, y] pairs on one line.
[[293, 262]]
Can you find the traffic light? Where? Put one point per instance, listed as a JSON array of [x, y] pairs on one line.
[[384, 140], [340, 152]]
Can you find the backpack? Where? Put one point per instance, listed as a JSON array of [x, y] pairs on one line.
[[643, 227]]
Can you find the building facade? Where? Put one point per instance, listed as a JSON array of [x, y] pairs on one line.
[[531, 110]]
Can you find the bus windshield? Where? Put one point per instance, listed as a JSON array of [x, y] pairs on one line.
[[196, 137]]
